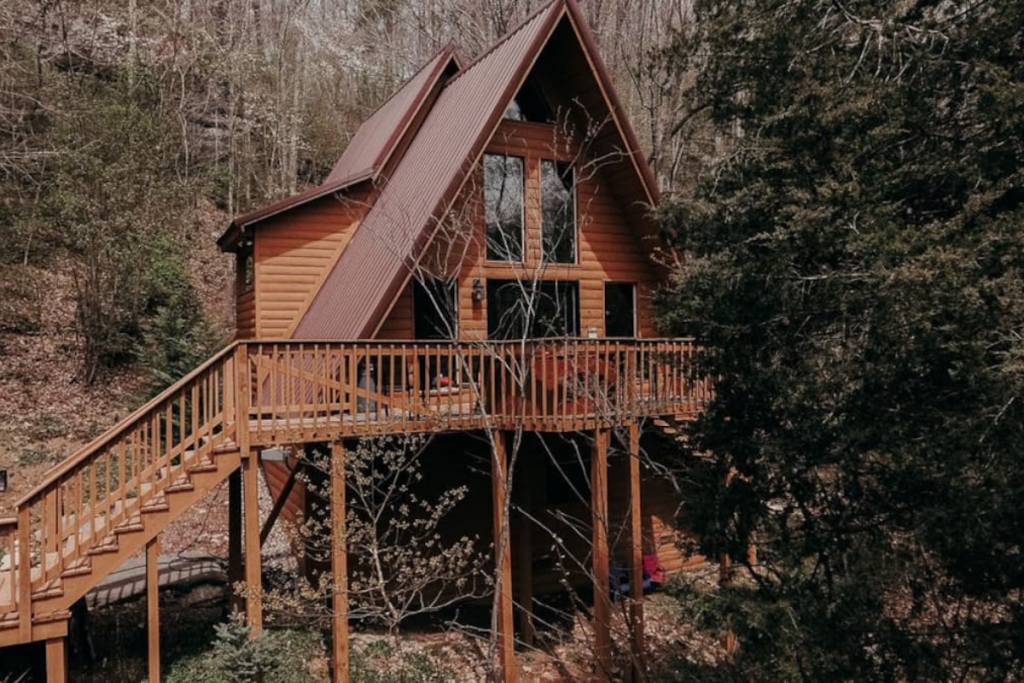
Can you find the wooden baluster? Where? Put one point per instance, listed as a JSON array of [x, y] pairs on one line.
[[24, 573]]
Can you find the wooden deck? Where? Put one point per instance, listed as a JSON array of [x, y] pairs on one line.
[[112, 498]]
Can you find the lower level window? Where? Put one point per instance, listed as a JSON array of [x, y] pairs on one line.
[[619, 309], [524, 308], [435, 308]]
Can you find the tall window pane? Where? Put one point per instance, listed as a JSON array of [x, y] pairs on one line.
[[619, 309], [503, 207], [558, 198]]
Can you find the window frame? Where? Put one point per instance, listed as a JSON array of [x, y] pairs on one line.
[[523, 247], [520, 331], [574, 213]]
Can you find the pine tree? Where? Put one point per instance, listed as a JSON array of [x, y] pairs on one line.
[[855, 262]]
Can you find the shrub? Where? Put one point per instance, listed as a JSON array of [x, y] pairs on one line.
[[272, 657], [382, 661]]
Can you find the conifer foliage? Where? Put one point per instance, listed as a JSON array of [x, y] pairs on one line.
[[855, 262]]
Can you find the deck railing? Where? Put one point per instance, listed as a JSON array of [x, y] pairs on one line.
[[261, 393], [301, 391]]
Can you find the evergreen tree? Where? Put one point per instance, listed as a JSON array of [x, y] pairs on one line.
[[855, 262]]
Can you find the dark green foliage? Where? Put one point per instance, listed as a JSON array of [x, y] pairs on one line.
[[176, 335], [272, 657], [856, 261]]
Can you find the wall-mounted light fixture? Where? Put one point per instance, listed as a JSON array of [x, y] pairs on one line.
[[478, 290], [3, 481]]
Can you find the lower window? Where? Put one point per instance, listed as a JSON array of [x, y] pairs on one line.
[[619, 309], [518, 309]]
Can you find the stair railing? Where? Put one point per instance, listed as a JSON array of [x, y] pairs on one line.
[[110, 481]]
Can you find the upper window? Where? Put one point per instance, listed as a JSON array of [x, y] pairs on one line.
[[503, 206], [434, 305], [529, 105], [558, 199]]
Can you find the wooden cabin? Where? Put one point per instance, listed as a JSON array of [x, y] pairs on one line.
[[480, 263]]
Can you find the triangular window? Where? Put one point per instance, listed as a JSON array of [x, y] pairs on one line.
[[530, 104]]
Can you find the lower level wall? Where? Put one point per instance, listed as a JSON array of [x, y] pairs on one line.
[[558, 524]]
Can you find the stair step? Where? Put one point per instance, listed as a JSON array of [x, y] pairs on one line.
[[56, 615], [158, 504], [52, 589], [182, 486], [77, 568], [661, 424], [104, 548], [199, 468], [9, 620], [130, 526]]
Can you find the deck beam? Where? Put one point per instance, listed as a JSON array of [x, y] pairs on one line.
[[153, 607], [235, 572], [339, 568], [251, 522], [636, 564], [502, 557], [599, 520], [57, 660]]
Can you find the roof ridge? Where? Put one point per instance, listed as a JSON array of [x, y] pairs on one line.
[[505, 38], [450, 47]]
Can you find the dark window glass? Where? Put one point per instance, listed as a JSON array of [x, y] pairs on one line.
[[529, 105], [435, 309], [555, 311], [503, 207], [246, 275], [558, 199], [619, 309]]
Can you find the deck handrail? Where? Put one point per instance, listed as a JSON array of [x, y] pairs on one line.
[[72, 461]]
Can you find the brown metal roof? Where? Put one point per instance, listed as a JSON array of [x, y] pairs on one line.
[[369, 148], [375, 264], [376, 139]]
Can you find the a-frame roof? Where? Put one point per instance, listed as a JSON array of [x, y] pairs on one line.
[[376, 264]]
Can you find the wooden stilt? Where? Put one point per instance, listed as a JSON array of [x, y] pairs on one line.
[[524, 551], [339, 566], [251, 522], [503, 555], [599, 518], [234, 536], [153, 607], [56, 660], [636, 564]]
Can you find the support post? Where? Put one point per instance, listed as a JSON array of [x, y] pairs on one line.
[[251, 521], [599, 519], [339, 566], [524, 551], [234, 536], [636, 566], [153, 607], [56, 660], [502, 559]]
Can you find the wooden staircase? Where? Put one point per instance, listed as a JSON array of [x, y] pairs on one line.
[[106, 502]]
